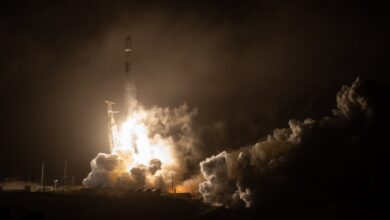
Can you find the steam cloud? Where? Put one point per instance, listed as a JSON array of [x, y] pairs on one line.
[[167, 128], [306, 158], [310, 154]]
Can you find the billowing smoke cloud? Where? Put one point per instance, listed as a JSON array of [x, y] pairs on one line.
[[308, 157], [155, 164], [105, 170], [139, 174], [219, 185], [155, 142]]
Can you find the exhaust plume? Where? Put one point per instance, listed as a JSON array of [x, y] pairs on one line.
[[153, 142]]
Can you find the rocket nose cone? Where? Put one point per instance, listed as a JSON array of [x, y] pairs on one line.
[[128, 38]]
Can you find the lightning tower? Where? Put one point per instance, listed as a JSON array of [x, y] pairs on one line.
[[42, 175], [65, 175]]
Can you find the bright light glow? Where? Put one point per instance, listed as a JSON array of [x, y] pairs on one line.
[[137, 145]]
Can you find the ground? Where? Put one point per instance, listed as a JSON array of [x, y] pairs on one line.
[[53, 206]]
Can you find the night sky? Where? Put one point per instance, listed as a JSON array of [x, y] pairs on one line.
[[248, 66]]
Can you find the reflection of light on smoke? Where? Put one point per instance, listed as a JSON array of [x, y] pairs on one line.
[[138, 146], [150, 143]]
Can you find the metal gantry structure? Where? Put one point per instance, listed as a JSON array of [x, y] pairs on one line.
[[113, 136]]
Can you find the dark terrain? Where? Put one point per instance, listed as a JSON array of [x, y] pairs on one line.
[[25, 205]]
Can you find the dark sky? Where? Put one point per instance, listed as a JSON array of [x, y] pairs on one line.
[[247, 65]]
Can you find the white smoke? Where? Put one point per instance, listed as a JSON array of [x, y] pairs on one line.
[[163, 142], [106, 168], [236, 178], [349, 100], [218, 186]]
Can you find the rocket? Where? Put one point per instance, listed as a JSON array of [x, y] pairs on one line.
[[128, 53], [130, 90]]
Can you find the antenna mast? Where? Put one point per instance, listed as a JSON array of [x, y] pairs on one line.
[[42, 174], [55, 185], [65, 173]]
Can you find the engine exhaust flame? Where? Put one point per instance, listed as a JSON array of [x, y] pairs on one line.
[[135, 141], [152, 144]]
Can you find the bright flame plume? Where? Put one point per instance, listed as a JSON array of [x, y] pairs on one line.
[[136, 143]]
